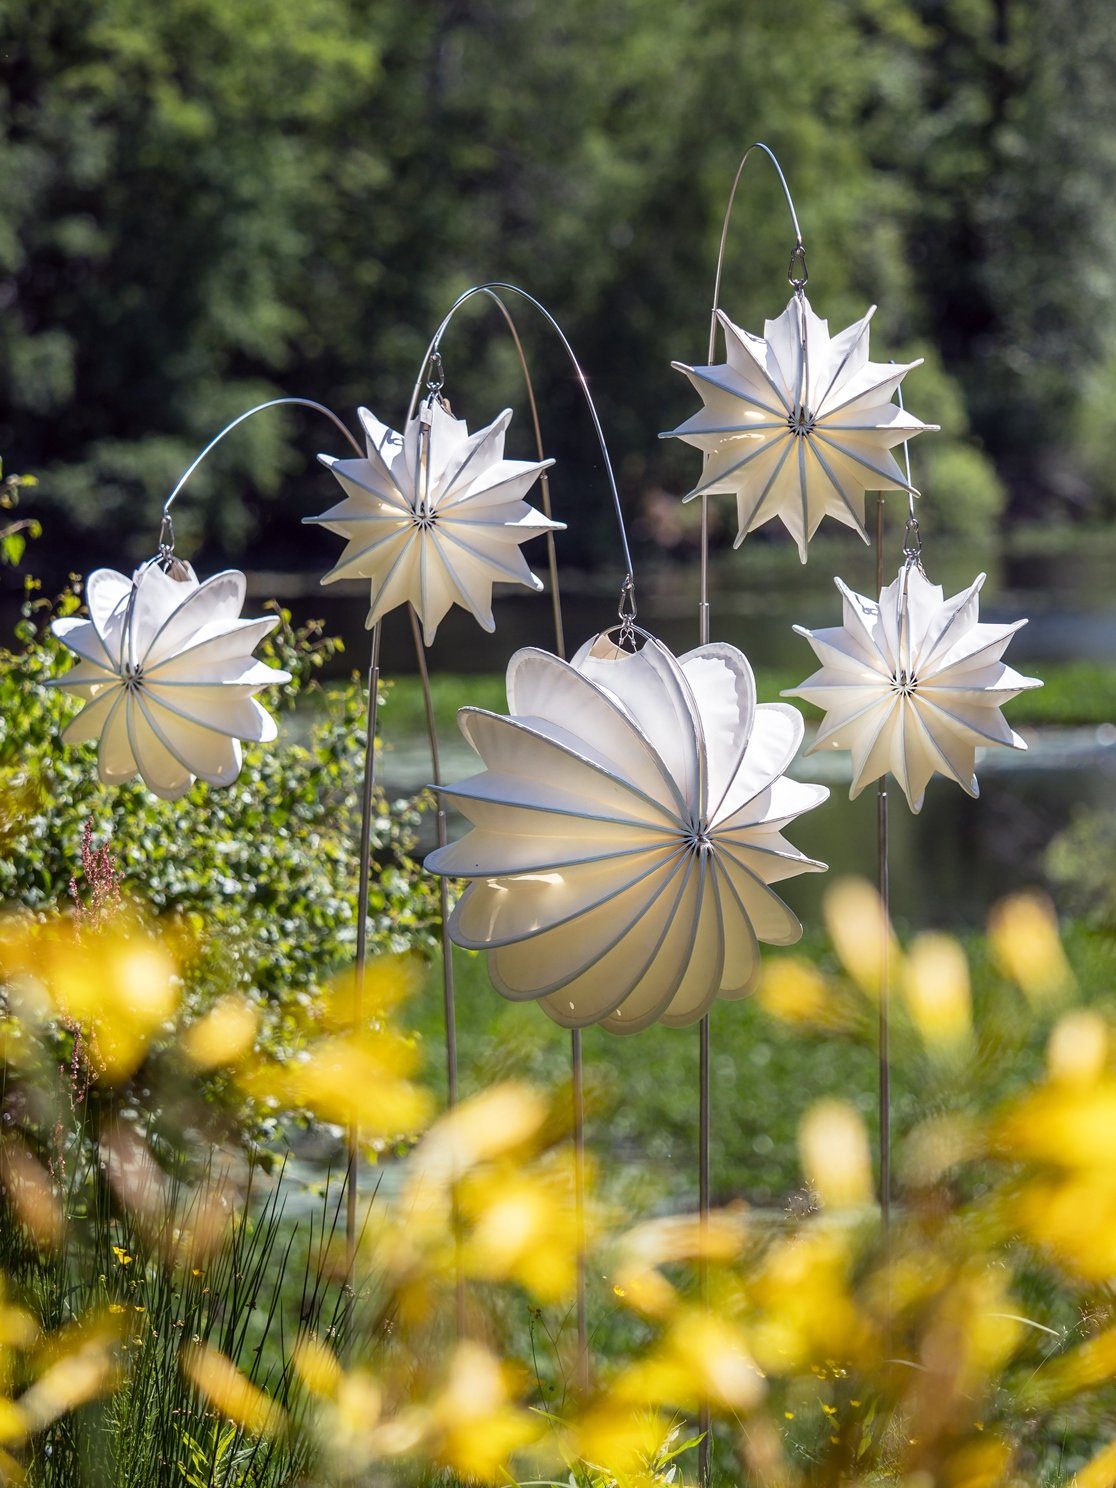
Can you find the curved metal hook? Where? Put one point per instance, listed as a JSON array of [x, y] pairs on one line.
[[493, 291], [797, 274], [259, 408]]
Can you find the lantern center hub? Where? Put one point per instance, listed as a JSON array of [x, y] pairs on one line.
[[696, 838], [800, 420], [904, 683]]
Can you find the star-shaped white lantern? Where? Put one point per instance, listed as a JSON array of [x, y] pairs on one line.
[[165, 667], [625, 832], [798, 424], [435, 516], [913, 685]]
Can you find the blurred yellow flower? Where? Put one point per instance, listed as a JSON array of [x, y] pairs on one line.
[[860, 932], [1077, 1051], [115, 983], [230, 1392], [521, 1225], [359, 1079], [316, 1365], [477, 1425], [793, 989], [1023, 936], [224, 1036], [617, 1440], [701, 1358], [833, 1145], [936, 984]]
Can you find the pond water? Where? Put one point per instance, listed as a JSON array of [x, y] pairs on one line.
[[955, 858]]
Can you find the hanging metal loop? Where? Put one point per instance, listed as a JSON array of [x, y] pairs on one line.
[[798, 276], [493, 292], [796, 268], [912, 543], [627, 611], [435, 373]]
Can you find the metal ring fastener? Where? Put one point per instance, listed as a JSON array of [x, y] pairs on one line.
[[797, 274]]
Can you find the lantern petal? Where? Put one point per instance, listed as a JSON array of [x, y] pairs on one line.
[[548, 928], [742, 963], [81, 637], [772, 921], [565, 762], [162, 771], [701, 981], [219, 599], [91, 720], [115, 761], [630, 985], [651, 688], [724, 690], [929, 692], [776, 736], [797, 423], [434, 516], [107, 594], [211, 756], [597, 832], [540, 686], [173, 683]]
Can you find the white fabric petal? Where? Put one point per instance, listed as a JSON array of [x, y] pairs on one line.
[[798, 424], [913, 684], [168, 669], [434, 516], [624, 832]]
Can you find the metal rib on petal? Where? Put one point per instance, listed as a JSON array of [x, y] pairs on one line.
[[616, 873]]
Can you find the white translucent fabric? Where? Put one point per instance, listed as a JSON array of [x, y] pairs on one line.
[[913, 685], [434, 518], [166, 670], [625, 831], [797, 424]]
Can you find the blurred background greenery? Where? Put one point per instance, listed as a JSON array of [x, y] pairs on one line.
[[203, 205]]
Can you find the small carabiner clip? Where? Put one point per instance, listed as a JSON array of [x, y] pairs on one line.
[[797, 275]]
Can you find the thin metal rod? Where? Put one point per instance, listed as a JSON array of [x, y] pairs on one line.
[[797, 256], [493, 290], [577, 1071], [364, 884], [241, 418], [883, 877], [578, 1083], [797, 275], [449, 1009], [705, 1093]]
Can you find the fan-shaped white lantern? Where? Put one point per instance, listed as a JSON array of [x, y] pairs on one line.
[[798, 424], [913, 685], [625, 833], [165, 667], [435, 515]]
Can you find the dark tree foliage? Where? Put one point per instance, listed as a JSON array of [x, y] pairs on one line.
[[203, 205]]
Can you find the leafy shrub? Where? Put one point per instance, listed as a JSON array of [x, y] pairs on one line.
[[267, 868]]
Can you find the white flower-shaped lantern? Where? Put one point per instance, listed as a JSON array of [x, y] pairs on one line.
[[913, 685], [165, 667], [798, 424], [625, 833], [435, 516]]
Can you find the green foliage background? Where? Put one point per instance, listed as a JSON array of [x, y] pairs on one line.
[[202, 204]]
